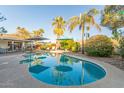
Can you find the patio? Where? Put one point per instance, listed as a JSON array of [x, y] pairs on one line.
[[8, 45], [15, 75]]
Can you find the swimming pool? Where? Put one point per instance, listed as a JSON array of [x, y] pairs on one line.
[[62, 70]]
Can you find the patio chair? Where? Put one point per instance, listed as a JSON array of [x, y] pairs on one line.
[[2, 50]]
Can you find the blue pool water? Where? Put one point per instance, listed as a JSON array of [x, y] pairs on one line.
[[62, 70]]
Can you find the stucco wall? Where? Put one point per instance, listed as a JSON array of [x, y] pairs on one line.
[[3, 44]]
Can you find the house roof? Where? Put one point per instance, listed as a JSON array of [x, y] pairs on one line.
[[12, 37]]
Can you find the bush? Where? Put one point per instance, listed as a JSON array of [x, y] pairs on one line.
[[99, 45], [70, 45], [66, 44], [121, 47], [115, 45], [76, 47]]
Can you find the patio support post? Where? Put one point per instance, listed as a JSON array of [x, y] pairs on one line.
[[12, 46], [31, 44], [23, 46]]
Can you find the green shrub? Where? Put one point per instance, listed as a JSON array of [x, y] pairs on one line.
[[70, 45], [121, 47], [66, 44], [75, 47], [99, 45]]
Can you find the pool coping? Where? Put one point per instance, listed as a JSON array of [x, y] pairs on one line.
[[114, 77]]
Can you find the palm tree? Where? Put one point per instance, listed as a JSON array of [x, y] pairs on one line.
[[2, 31], [38, 32], [84, 21], [23, 33], [59, 27]]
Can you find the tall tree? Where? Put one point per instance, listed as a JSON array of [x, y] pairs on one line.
[[59, 27], [2, 29], [113, 18], [84, 21], [38, 32], [23, 33]]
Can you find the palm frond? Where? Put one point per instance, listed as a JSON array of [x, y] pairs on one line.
[[93, 12], [73, 23], [98, 27], [59, 25]]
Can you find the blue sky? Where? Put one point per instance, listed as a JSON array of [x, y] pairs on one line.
[[35, 17]]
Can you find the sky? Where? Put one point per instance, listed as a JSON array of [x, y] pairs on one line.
[[36, 17]]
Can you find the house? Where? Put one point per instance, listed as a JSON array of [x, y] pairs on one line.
[[11, 42]]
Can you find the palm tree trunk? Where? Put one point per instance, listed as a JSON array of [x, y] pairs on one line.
[[57, 43], [1, 35], [86, 35], [82, 43], [83, 37]]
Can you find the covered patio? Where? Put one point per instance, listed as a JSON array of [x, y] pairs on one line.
[[12, 45]]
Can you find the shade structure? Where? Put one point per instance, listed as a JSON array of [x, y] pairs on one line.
[[65, 39], [37, 38]]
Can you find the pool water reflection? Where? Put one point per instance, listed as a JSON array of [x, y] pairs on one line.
[[62, 70]]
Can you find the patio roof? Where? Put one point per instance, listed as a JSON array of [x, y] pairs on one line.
[[14, 39], [65, 39], [37, 38]]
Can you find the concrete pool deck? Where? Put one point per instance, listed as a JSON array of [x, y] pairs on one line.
[[14, 75]]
